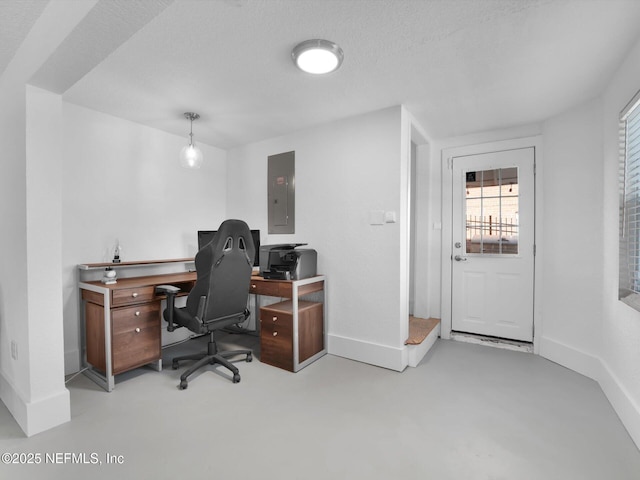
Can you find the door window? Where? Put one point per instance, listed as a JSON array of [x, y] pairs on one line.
[[491, 211]]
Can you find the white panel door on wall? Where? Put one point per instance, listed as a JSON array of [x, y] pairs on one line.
[[492, 274]]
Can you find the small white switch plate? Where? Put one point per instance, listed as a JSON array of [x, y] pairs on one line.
[[390, 217]]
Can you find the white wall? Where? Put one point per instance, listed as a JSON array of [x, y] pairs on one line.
[[32, 385], [122, 180], [421, 237], [14, 374], [44, 179], [571, 240], [586, 327], [620, 376], [343, 171]]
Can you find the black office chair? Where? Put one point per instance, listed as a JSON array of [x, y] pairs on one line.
[[219, 297]]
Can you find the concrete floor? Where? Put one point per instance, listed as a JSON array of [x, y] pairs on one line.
[[466, 412]]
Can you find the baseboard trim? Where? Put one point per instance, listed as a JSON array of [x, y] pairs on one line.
[[13, 401], [570, 357], [627, 409], [374, 354], [40, 415]]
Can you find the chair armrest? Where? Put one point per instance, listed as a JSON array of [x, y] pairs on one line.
[[201, 305], [167, 289], [170, 291]]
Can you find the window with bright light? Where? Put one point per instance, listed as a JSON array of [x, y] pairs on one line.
[[629, 286]]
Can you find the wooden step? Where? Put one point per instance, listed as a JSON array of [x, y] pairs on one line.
[[420, 328], [423, 333]]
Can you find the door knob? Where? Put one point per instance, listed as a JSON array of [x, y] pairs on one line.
[[458, 258]]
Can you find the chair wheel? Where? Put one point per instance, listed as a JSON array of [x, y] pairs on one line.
[[183, 385], [249, 357], [174, 365], [236, 378]]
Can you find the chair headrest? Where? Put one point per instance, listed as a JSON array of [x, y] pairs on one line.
[[232, 235]]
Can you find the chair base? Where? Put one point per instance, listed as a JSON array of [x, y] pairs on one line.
[[212, 357]]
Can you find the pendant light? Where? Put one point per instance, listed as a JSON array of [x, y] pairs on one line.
[[191, 156]]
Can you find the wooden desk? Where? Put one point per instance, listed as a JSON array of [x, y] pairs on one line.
[[123, 323]]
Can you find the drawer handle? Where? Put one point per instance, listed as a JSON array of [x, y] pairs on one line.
[[253, 285], [137, 329], [274, 318], [134, 294], [275, 334], [137, 314]]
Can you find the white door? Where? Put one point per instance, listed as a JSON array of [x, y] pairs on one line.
[[493, 244]]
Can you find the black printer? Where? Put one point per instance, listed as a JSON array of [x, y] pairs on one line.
[[286, 261]]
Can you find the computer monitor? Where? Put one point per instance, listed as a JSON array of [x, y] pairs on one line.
[[205, 236]]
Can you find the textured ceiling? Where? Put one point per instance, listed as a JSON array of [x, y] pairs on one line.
[[107, 26], [16, 19], [459, 66]]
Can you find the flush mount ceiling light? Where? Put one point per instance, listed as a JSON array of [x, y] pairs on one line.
[[191, 156], [317, 56]]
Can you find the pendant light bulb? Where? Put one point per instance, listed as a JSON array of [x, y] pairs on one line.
[[191, 155]]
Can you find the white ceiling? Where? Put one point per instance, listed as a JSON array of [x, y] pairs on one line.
[[459, 66], [16, 19]]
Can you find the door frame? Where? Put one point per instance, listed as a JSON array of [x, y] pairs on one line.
[[447, 226]]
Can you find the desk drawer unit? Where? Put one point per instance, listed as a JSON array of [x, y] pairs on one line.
[[123, 325], [276, 338], [136, 336], [288, 344]]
